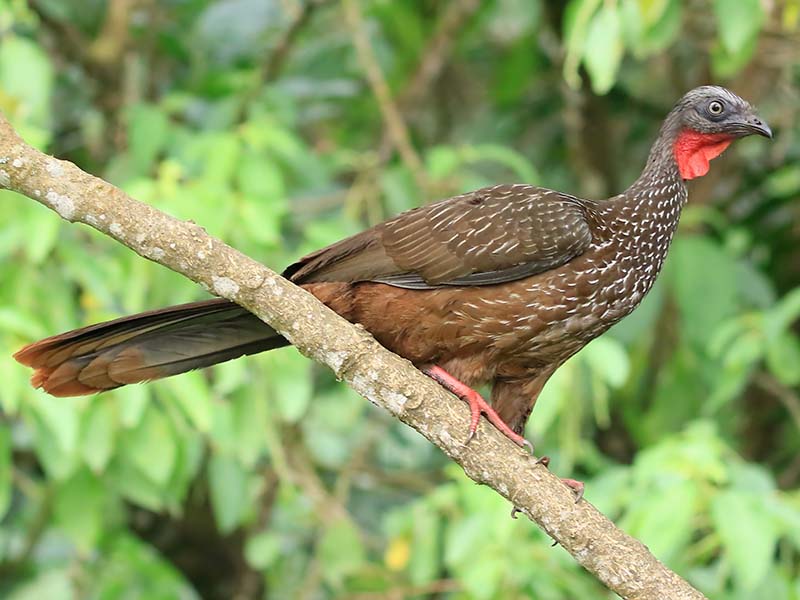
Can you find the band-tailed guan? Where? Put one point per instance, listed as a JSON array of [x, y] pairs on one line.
[[500, 285]]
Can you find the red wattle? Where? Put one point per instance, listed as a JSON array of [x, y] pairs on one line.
[[693, 151]]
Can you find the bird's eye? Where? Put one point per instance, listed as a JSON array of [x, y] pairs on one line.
[[715, 107]]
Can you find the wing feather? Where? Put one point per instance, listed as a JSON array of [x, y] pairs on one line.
[[489, 236]]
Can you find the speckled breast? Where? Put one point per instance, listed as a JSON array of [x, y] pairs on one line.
[[545, 319]]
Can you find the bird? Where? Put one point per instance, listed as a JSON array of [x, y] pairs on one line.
[[498, 286]]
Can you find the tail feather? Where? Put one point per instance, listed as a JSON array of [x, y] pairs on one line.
[[146, 346]]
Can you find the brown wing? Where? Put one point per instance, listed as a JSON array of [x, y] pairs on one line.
[[493, 235]]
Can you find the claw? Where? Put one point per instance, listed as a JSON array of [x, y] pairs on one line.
[[470, 435], [477, 406], [576, 486]]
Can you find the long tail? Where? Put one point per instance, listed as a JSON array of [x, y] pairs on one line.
[[150, 345]]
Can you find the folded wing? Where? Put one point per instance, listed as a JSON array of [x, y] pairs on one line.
[[493, 235]]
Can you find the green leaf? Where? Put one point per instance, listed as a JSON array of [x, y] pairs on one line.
[[26, 79], [752, 478], [5, 469], [516, 162], [262, 549], [329, 425], [261, 182], [133, 401], [576, 21], [128, 568], [726, 64], [61, 419], [39, 246], [148, 127], [15, 386], [425, 562], [79, 509], [652, 10], [249, 418], [748, 535], [755, 288], [783, 358], [192, 394], [483, 579], [739, 21], [662, 516], [603, 51], [706, 286], [99, 433], [607, 358], [211, 154], [463, 536], [53, 583], [787, 519], [441, 161], [341, 551], [290, 383], [228, 484], [57, 463], [151, 447], [20, 322], [743, 352], [663, 32], [261, 219], [632, 21], [782, 314], [223, 432], [133, 485], [259, 178], [783, 180], [190, 459]]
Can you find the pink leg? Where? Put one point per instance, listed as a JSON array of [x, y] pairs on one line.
[[477, 405]]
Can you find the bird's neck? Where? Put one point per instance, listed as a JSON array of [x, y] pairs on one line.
[[661, 183], [658, 195], [679, 154], [654, 200]]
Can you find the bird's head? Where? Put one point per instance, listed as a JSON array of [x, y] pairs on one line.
[[704, 123]]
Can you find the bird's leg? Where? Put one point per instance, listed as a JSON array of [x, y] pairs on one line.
[[477, 405], [576, 486]]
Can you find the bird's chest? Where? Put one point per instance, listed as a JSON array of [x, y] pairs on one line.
[[552, 316], [608, 284]]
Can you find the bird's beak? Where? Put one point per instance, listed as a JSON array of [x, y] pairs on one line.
[[754, 124]]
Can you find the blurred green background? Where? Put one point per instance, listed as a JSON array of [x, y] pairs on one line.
[[266, 122]]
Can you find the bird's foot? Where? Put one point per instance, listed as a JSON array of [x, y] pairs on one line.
[[477, 405], [578, 487]]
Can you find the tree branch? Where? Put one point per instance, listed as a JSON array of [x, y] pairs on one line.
[[616, 559]]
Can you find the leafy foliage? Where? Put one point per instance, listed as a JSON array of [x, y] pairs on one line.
[[264, 477]]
